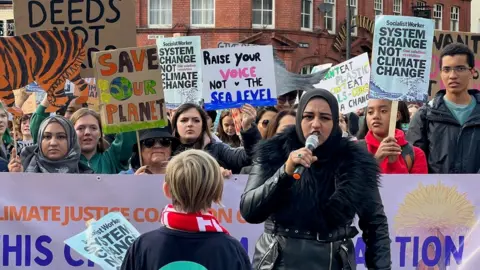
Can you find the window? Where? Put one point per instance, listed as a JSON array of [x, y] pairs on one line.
[[353, 15], [307, 69], [454, 19], [421, 3], [307, 6], [160, 13], [7, 28], [203, 13], [378, 7], [329, 16], [397, 7], [263, 13], [437, 16]]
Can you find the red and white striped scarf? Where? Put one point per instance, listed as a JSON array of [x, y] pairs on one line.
[[192, 222]]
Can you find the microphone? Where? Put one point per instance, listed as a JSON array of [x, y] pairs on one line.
[[311, 143]]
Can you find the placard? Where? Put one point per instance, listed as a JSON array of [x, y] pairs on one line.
[[239, 75], [349, 82], [401, 62], [104, 25], [93, 99], [105, 241], [180, 62], [130, 85]]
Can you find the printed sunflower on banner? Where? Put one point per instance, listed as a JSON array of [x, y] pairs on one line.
[[438, 211]]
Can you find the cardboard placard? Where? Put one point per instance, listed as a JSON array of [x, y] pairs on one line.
[[93, 100], [30, 105], [131, 89], [104, 25], [56, 57], [440, 41]]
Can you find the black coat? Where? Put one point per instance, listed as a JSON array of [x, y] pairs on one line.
[[321, 205], [230, 158], [449, 146]]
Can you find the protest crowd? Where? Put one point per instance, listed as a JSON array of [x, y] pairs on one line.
[[313, 166]]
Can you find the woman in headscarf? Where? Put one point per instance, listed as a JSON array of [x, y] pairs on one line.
[[57, 150], [308, 222], [277, 125]]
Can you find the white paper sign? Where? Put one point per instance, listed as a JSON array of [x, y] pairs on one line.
[[239, 75], [349, 82], [181, 69]]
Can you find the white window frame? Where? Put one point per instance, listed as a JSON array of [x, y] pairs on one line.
[[267, 26], [421, 3], [6, 29], [333, 17], [378, 7], [438, 16], [168, 25], [201, 25], [304, 14], [455, 18], [397, 7], [353, 5]]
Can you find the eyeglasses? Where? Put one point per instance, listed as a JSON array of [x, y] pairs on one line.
[[458, 70], [164, 142], [282, 100], [265, 123]]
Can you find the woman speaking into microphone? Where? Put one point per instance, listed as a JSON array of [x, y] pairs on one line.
[[308, 222]]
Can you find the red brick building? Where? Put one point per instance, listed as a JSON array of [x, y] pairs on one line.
[[304, 32], [6, 18]]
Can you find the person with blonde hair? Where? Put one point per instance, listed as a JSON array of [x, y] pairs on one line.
[[191, 237]]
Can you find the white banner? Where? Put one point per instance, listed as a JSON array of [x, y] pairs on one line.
[[433, 218]]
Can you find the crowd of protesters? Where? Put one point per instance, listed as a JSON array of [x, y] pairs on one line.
[[267, 143]]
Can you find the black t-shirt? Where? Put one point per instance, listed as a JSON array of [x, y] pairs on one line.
[[166, 249]]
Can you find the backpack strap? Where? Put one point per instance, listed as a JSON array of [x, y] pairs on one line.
[[408, 153], [426, 125]]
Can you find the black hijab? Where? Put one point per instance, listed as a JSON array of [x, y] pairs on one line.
[[333, 141]]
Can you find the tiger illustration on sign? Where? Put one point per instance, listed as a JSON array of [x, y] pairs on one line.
[[48, 58]]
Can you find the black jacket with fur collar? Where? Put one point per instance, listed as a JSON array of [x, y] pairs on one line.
[[326, 198]]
